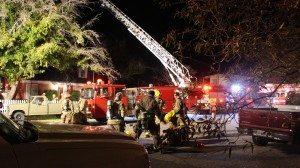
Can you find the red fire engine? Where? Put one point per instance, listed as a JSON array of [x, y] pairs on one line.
[[279, 96], [97, 95], [193, 96], [198, 99], [167, 94]]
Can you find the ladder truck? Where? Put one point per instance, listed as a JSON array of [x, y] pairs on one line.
[[178, 73]]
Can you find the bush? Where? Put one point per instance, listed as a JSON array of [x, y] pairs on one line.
[[75, 95], [49, 94]]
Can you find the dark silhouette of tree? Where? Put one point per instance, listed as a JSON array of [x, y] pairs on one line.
[[254, 42], [259, 39]]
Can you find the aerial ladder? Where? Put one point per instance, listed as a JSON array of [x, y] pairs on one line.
[[178, 73]]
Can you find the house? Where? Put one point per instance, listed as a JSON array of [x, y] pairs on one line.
[[27, 88], [49, 81]]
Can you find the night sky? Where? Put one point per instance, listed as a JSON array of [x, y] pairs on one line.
[[149, 17], [145, 13]]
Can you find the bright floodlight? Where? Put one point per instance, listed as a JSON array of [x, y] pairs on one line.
[[235, 88], [55, 86]]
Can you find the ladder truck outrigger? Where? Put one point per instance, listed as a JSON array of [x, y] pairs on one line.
[[179, 74]]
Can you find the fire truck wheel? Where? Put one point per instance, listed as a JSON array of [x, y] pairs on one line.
[[101, 119]]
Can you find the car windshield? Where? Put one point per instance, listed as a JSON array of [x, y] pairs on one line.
[[13, 132], [5, 120], [88, 93]]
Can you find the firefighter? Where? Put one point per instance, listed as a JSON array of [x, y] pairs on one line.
[[160, 101], [213, 107], [161, 105], [175, 117], [118, 111], [67, 108], [146, 109], [82, 106]]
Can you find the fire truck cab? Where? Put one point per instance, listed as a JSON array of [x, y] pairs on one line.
[[98, 94]]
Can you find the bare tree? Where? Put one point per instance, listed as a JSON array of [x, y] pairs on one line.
[[258, 39], [255, 42]]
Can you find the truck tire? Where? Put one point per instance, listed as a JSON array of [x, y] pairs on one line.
[[259, 141], [19, 116]]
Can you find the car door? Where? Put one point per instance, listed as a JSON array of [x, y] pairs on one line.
[[7, 157], [280, 121], [38, 106], [254, 118], [63, 153]]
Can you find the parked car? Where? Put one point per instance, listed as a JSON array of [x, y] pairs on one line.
[[64, 145], [37, 105]]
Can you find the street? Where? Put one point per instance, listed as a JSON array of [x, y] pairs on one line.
[[218, 153], [273, 155]]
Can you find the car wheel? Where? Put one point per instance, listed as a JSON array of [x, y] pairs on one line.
[[259, 141], [19, 116]]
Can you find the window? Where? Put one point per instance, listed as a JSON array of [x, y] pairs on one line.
[[88, 93], [122, 90], [15, 133], [102, 92], [82, 73], [38, 100], [214, 81]]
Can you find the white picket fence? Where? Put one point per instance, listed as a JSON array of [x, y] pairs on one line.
[[7, 102]]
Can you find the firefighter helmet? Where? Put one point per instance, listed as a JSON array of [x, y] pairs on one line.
[[157, 93]]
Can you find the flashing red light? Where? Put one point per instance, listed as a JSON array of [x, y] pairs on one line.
[[88, 82], [99, 81], [207, 87]]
